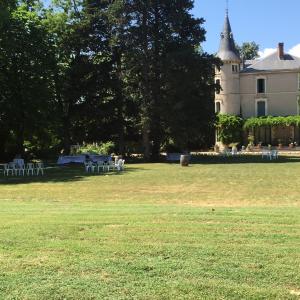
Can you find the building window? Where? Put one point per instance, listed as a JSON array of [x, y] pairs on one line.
[[235, 68], [298, 105], [218, 84], [299, 81], [218, 107], [261, 86], [261, 108]]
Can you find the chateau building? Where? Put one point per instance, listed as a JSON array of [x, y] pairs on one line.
[[263, 87]]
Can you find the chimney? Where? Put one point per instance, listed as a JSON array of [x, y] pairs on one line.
[[281, 50]]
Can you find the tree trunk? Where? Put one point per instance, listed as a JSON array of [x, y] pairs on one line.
[[146, 140], [66, 135], [146, 102]]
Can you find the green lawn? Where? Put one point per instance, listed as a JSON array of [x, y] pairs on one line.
[[219, 229]]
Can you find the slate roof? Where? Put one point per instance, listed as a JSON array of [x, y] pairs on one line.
[[273, 63], [227, 50]]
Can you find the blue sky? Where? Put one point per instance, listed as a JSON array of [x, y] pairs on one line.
[[267, 22]]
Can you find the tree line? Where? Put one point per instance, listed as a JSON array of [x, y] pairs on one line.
[[128, 71]]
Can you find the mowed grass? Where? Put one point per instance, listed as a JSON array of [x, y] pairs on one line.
[[219, 229]]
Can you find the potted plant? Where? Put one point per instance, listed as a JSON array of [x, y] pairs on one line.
[[259, 145], [250, 142], [217, 148]]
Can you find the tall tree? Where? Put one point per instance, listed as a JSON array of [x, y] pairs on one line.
[[26, 61], [248, 50], [164, 38]]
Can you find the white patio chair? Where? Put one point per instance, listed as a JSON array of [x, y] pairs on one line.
[[274, 154], [39, 168], [100, 165], [21, 169], [265, 153], [234, 151], [120, 165], [30, 168], [111, 165], [8, 170], [13, 168], [86, 167], [92, 167], [105, 166]]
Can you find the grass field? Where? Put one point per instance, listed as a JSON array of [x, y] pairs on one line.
[[219, 229]]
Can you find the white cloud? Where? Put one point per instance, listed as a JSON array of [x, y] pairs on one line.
[[266, 52], [295, 50]]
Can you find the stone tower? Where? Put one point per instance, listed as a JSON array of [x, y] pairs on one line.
[[227, 101]]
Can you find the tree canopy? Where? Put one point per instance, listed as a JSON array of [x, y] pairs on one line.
[[127, 71], [248, 50]]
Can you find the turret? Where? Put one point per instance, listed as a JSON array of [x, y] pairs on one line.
[[228, 99]]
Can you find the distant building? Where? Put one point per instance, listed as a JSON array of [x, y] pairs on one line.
[[262, 87]]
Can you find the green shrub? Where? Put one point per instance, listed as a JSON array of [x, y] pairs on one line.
[[229, 128], [97, 148]]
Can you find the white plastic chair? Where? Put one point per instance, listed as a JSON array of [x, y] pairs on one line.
[[86, 167], [21, 169], [92, 167], [100, 165], [30, 168], [7, 170], [274, 154], [39, 168], [120, 165], [111, 165], [265, 153], [13, 168]]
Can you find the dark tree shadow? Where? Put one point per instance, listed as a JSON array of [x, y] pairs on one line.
[[54, 173]]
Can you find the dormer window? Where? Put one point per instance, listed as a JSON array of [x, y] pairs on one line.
[[235, 68], [261, 86]]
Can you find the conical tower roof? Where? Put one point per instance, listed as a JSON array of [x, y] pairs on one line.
[[227, 50]]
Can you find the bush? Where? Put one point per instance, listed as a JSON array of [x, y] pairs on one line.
[[229, 128], [97, 148]]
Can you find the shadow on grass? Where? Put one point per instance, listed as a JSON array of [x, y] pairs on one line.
[[55, 173], [241, 159]]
